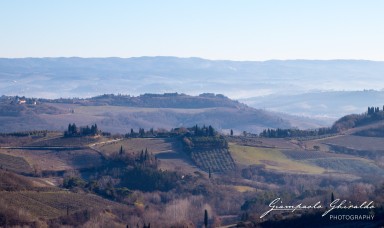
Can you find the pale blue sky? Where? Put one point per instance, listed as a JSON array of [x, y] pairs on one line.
[[225, 29]]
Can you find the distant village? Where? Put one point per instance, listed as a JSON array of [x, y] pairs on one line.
[[22, 100]]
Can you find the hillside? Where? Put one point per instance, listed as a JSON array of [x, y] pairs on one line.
[[118, 113], [172, 177]]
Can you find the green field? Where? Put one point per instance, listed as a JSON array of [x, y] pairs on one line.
[[272, 159]]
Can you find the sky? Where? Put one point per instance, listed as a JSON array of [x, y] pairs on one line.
[[226, 29]]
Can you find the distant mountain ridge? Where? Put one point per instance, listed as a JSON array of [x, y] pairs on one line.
[[87, 77]]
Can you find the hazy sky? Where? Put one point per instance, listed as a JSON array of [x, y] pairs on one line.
[[213, 29]]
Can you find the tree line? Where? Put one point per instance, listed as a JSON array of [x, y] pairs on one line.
[[372, 110], [41, 133], [181, 131], [294, 133], [73, 130], [344, 123]]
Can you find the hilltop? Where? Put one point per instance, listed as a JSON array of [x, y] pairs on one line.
[[166, 100]]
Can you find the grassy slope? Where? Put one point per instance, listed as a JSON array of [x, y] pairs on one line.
[[243, 188], [24, 160], [304, 161], [53, 204], [135, 145], [272, 158], [356, 142], [14, 163], [57, 160], [334, 162]]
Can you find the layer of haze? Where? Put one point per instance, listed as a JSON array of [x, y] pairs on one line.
[[235, 30]]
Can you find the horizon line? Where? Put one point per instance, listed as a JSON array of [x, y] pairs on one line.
[[183, 94], [190, 57]]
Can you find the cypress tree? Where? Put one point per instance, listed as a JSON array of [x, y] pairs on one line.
[[146, 154], [142, 156], [121, 152], [206, 218], [209, 173]]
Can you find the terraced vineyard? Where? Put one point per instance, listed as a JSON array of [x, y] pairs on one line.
[[15, 164], [209, 153], [216, 160]]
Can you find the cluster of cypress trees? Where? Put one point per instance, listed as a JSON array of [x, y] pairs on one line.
[[73, 130]]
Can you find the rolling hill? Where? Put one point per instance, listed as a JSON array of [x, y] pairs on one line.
[[120, 113]]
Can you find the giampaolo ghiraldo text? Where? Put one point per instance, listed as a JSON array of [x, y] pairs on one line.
[[277, 205]]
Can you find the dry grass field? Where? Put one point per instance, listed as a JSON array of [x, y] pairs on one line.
[[14, 163], [356, 142], [135, 145], [278, 143], [243, 188], [334, 162], [53, 204], [59, 160], [66, 142]]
